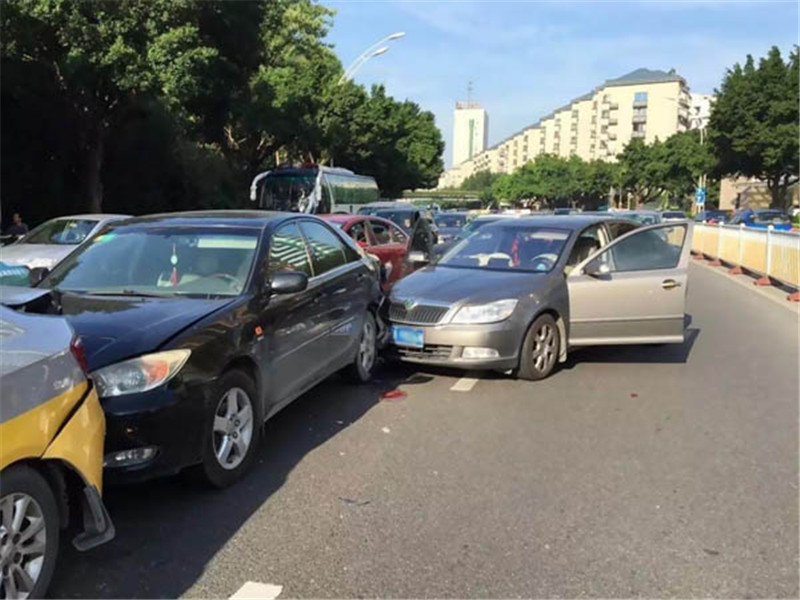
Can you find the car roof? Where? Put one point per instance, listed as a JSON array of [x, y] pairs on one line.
[[571, 222], [93, 216], [230, 218]]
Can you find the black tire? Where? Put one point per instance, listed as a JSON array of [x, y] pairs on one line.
[[540, 349], [25, 480], [360, 370], [212, 469]]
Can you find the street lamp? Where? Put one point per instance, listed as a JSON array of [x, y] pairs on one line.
[[372, 51]]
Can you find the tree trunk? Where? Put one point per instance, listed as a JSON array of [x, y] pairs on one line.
[[94, 174], [777, 190]]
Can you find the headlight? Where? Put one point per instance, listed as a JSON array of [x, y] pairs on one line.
[[485, 313], [139, 374]]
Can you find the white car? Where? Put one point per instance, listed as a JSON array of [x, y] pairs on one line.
[[49, 243]]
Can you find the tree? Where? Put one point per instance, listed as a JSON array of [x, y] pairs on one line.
[[478, 181], [753, 126], [103, 56]]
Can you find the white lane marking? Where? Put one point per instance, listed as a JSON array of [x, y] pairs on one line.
[[465, 384], [253, 590]]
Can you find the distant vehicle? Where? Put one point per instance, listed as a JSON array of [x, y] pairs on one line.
[[51, 455], [645, 217], [449, 225], [518, 293], [374, 207], [565, 211], [471, 227], [200, 326], [49, 243], [379, 237], [673, 215], [761, 218], [713, 216], [312, 189], [402, 214]]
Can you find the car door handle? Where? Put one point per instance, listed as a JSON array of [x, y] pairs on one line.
[[668, 284]]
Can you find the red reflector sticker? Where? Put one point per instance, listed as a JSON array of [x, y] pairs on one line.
[[393, 395]]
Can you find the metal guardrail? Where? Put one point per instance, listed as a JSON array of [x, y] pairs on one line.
[[770, 253]]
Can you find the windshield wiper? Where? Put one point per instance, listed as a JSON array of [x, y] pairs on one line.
[[127, 293]]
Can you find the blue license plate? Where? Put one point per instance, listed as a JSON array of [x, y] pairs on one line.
[[408, 336]]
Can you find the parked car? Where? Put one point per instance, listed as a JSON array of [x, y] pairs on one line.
[[713, 216], [51, 455], [645, 217], [519, 293], [200, 326], [372, 207], [761, 218], [673, 215], [449, 225], [14, 275], [441, 248], [379, 237], [49, 243]]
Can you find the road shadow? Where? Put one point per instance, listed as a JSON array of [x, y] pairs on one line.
[[169, 529]]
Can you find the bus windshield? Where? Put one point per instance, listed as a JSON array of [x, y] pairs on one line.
[[287, 192]]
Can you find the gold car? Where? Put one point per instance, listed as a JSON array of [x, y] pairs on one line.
[[51, 451]]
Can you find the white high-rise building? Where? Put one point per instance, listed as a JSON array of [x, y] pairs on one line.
[[700, 110], [470, 131]]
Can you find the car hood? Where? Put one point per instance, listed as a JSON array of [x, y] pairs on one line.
[[116, 328], [35, 255], [452, 285]]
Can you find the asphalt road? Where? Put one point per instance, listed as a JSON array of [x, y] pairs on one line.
[[667, 471]]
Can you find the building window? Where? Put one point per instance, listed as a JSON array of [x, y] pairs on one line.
[[639, 130], [640, 98]]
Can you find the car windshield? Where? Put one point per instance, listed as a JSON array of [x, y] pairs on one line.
[[160, 261], [477, 224], [509, 247], [643, 218], [60, 231], [450, 220], [400, 217], [673, 215]]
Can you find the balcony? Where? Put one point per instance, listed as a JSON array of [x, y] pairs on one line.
[[612, 136], [612, 121], [639, 118], [613, 106], [639, 103], [637, 134]]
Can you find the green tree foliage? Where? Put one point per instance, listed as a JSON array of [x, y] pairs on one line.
[[754, 122], [139, 106]]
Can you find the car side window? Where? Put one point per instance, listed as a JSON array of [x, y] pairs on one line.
[[288, 251], [380, 232], [359, 233], [327, 250], [647, 250], [587, 243], [398, 235], [619, 228]]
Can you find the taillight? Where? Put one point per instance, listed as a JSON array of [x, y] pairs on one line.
[[79, 352]]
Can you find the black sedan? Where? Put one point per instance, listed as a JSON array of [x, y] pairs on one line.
[[200, 326]]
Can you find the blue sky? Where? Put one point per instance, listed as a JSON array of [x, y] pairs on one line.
[[527, 58]]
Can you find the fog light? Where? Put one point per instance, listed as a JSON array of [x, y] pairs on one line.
[[475, 352], [129, 458]]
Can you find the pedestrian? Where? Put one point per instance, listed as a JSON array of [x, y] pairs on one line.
[[18, 228], [422, 238]]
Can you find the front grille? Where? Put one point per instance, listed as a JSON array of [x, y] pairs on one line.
[[429, 352], [421, 314]]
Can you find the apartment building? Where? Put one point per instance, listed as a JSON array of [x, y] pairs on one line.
[[470, 131], [644, 104]]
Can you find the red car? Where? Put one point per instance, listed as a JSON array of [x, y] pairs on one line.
[[379, 237]]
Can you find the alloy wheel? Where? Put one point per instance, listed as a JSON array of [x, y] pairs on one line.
[[23, 542], [544, 348], [366, 350], [233, 428]]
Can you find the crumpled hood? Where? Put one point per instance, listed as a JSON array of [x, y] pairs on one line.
[[35, 255], [113, 328], [470, 286]]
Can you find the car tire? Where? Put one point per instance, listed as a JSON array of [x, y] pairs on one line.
[[540, 349], [24, 489], [231, 441], [360, 371]]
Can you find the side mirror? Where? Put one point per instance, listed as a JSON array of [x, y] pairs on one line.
[[416, 257], [596, 269], [37, 274], [288, 282]]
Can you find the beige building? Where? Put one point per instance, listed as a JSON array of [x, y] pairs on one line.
[[643, 104], [470, 131]]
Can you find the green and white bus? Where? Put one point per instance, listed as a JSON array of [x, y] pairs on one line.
[[313, 189]]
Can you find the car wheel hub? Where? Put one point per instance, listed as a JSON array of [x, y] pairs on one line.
[[366, 350], [233, 428], [544, 348], [23, 542]]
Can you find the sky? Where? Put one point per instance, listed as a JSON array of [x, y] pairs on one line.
[[527, 58]]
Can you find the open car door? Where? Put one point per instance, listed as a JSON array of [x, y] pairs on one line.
[[632, 291]]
